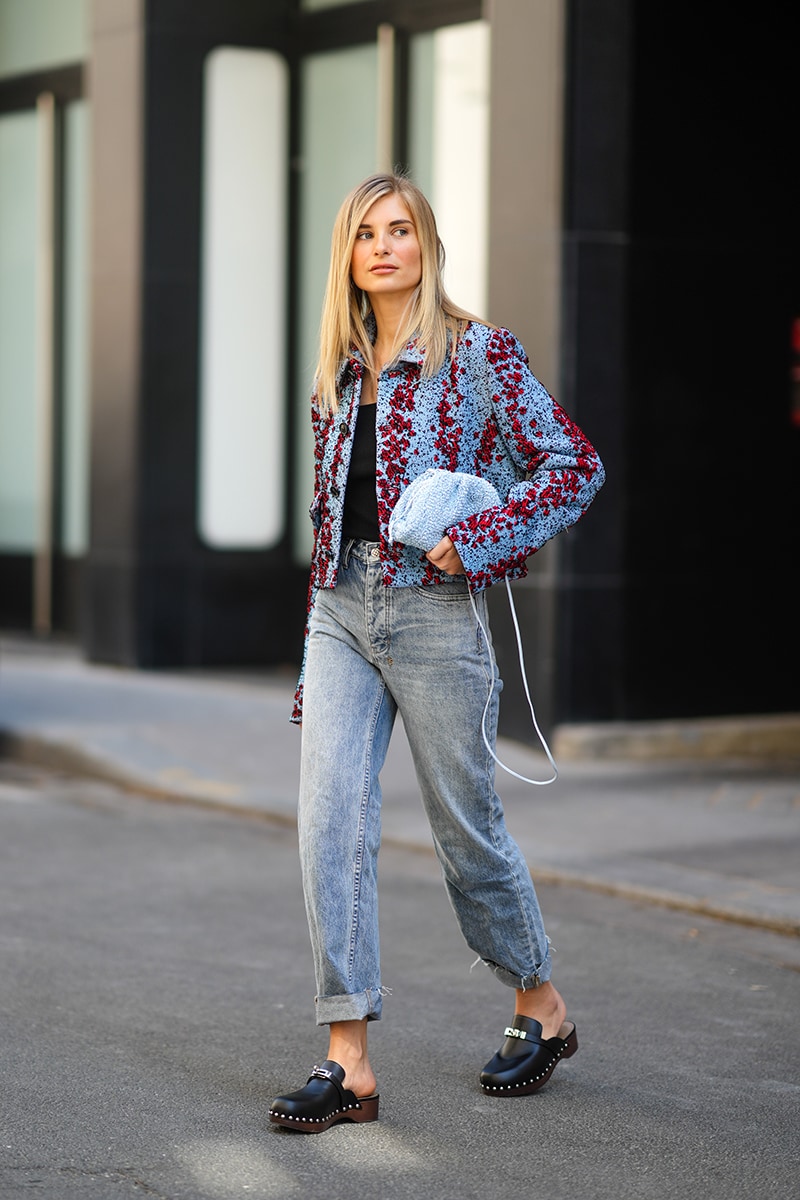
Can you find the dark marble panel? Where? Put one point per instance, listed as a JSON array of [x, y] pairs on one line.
[[110, 626]]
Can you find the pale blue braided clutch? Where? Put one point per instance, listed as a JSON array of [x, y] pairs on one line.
[[435, 501]]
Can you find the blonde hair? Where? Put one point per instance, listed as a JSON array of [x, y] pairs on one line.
[[432, 316]]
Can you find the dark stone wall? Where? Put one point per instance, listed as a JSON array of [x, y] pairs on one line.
[[684, 277]]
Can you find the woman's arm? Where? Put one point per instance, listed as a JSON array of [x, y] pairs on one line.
[[559, 470]]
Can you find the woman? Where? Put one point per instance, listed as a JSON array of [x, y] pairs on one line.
[[406, 381]]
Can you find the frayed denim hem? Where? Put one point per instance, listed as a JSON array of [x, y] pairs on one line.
[[351, 1007], [537, 977]]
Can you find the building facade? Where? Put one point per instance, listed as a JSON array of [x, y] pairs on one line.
[[614, 181]]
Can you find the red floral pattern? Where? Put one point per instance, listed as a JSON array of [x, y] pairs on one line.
[[483, 413]]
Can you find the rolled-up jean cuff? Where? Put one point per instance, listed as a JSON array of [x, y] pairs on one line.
[[524, 982], [349, 1007]]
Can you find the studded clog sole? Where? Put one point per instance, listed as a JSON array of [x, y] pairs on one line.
[[322, 1102], [362, 1110], [522, 1074]]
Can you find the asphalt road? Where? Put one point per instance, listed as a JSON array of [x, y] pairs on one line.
[[155, 993]]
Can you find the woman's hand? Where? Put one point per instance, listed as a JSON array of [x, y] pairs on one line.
[[445, 556]]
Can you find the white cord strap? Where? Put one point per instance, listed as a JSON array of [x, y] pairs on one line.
[[546, 748]]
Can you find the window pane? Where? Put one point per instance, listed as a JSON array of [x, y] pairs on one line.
[[339, 139], [18, 250], [35, 34], [243, 300], [75, 284], [448, 110]]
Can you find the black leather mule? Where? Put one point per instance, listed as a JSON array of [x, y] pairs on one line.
[[526, 1060], [322, 1102]]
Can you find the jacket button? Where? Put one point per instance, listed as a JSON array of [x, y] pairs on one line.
[[344, 429], [334, 490]]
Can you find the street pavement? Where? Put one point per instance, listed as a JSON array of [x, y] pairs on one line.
[[701, 816], [156, 992], [156, 987]]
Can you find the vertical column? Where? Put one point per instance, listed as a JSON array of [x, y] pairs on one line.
[[595, 630], [158, 593], [526, 175], [45, 362], [385, 151], [116, 83], [525, 246]]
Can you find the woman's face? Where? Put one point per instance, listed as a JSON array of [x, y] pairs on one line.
[[387, 260]]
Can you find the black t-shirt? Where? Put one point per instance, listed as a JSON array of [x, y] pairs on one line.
[[360, 517]]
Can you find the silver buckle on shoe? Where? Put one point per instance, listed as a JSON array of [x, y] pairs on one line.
[[321, 1073], [517, 1033]]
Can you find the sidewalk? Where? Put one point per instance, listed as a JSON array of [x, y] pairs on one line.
[[702, 816]]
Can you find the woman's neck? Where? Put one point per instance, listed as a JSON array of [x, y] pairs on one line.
[[390, 313]]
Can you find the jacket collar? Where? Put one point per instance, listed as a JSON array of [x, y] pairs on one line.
[[412, 352]]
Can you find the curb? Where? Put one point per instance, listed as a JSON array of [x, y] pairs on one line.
[[64, 757], [758, 738], [664, 898]]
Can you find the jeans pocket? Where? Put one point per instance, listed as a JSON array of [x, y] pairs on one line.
[[453, 589]]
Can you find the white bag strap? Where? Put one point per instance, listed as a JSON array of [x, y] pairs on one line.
[[524, 778]]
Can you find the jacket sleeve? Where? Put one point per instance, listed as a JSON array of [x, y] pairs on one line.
[[296, 717], [559, 470]]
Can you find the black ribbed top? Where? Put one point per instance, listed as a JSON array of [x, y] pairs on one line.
[[360, 517]]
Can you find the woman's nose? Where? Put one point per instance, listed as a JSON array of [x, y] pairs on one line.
[[381, 244]]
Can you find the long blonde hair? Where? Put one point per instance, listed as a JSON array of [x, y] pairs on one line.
[[432, 316]]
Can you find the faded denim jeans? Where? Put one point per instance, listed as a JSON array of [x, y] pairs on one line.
[[374, 651]]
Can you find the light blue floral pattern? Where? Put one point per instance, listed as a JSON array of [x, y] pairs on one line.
[[483, 413]]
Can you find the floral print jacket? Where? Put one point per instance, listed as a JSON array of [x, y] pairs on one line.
[[483, 413]]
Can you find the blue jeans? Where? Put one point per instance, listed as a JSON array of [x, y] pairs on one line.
[[374, 650]]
